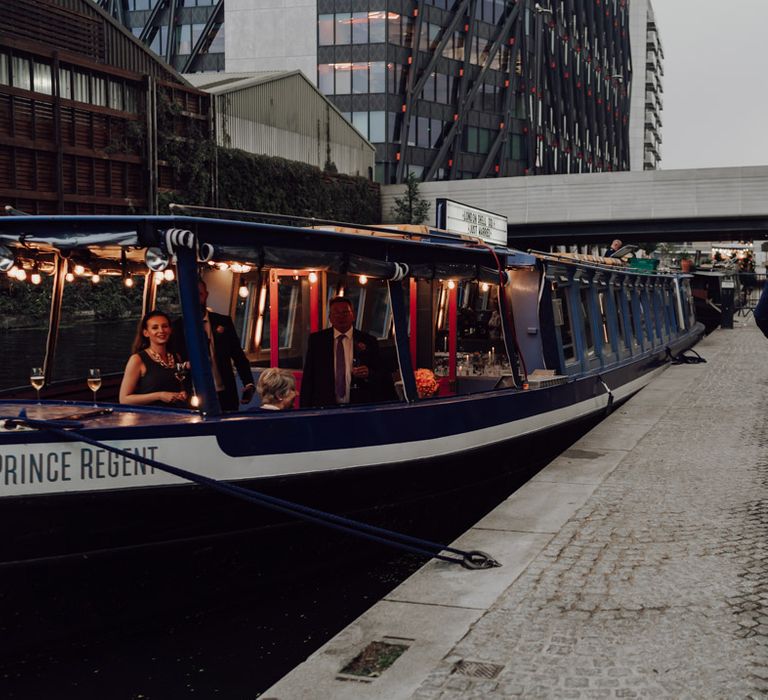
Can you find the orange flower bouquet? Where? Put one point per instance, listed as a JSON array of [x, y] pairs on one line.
[[426, 384]]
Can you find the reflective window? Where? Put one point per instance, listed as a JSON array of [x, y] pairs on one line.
[[325, 25], [359, 78], [325, 78], [343, 78], [377, 27], [359, 27], [343, 28], [378, 77], [377, 128]]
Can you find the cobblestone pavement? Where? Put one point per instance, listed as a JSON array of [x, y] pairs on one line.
[[658, 586]]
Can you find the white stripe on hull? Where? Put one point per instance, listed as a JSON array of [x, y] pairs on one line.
[[70, 467]]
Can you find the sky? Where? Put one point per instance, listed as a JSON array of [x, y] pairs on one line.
[[715, 88]]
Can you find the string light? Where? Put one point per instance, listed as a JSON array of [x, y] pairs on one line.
[[451, 284], [69, 277], [35, 278], [96, 278], [363, 279], [79, 270], [169, 275], [313, 278], [21, 274], [243, 292], [128, 282], [484, 286]]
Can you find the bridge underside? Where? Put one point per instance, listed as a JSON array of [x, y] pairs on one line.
[[730, 228]]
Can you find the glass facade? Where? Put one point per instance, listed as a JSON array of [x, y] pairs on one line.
[[514, 89]]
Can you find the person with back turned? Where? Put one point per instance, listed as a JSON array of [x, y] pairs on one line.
[[761, 311], [343, 364], [225, 350]]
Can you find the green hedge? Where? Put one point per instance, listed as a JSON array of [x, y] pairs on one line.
[[263, 183]]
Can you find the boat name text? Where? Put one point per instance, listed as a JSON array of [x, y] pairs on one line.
[[84, 464]]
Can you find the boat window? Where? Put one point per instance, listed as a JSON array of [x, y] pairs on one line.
[[602, 305], [688, 295], [633, 324], [561, 311], [662, 323], [616, 291], [479, 346], [586, 320], [669, 305]]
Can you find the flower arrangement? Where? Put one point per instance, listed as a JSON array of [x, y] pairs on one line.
[[426, 384]]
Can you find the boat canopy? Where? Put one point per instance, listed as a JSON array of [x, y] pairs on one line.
[[386, 254]]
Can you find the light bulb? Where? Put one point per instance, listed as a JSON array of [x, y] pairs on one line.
[[35, 278], [69, 277], [312, 277], [485, 287], [79, 269], [128, 282], [243, 292], [451, 284], [96, 278], [363, 279], [194, 401], [21, 275], [169, 275]]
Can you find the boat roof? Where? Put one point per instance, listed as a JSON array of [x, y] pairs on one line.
[[249, 239]]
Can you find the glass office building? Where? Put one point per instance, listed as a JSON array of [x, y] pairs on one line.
[[468, 89]]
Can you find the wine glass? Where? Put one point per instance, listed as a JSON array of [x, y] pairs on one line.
[[37, 380], [94, 382]]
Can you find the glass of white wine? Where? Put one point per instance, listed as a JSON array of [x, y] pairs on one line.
[[94, 382], [37, 380]]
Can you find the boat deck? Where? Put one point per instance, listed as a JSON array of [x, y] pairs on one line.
[[90, 416], [633, 565]]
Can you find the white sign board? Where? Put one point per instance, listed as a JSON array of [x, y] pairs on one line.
[[468, 221]]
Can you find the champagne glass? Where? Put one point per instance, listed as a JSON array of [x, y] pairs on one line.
[[37, 380], [94, 382], [181, 373]]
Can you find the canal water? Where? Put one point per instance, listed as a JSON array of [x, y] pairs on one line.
[[229, 625], [102, 344]]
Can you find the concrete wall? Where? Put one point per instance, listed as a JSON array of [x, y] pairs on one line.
[[277, 35], [651, 194]]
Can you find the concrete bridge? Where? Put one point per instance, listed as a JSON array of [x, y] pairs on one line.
[[714, 204]]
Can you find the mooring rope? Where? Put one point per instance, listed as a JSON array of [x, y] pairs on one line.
[[472, 559], [683, 359]]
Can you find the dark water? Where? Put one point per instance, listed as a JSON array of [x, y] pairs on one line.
[[233, 628], [105, 345]]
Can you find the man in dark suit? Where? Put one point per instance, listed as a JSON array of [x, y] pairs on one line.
[[343, 365], [225, 350]]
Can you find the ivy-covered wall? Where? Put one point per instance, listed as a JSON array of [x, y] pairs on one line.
[[254, 182]]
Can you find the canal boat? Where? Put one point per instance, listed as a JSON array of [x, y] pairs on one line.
[[571, 338]]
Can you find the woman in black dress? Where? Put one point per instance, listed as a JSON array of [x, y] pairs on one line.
[[150, 375]]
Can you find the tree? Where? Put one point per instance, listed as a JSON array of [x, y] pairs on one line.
[[411, 208]]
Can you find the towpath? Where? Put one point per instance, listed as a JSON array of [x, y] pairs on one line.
[[635, 564]]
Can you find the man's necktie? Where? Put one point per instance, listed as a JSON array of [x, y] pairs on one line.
[[341, 370]]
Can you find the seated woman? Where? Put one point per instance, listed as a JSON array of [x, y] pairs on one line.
[[277, 389], [150, 375]]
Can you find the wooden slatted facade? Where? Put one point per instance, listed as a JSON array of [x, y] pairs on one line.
[[77, 134]]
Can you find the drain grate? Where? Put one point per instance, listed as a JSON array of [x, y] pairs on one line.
[[477, 669], [372, 661]]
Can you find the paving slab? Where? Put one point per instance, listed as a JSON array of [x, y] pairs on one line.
[[634, 564]]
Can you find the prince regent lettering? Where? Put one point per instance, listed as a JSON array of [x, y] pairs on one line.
[[82, 464]]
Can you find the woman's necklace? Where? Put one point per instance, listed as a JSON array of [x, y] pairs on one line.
[[169, 362]]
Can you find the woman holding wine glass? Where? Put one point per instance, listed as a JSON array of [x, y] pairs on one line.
[[150, 377]]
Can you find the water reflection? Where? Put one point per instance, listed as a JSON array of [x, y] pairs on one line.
[[106, 345]]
